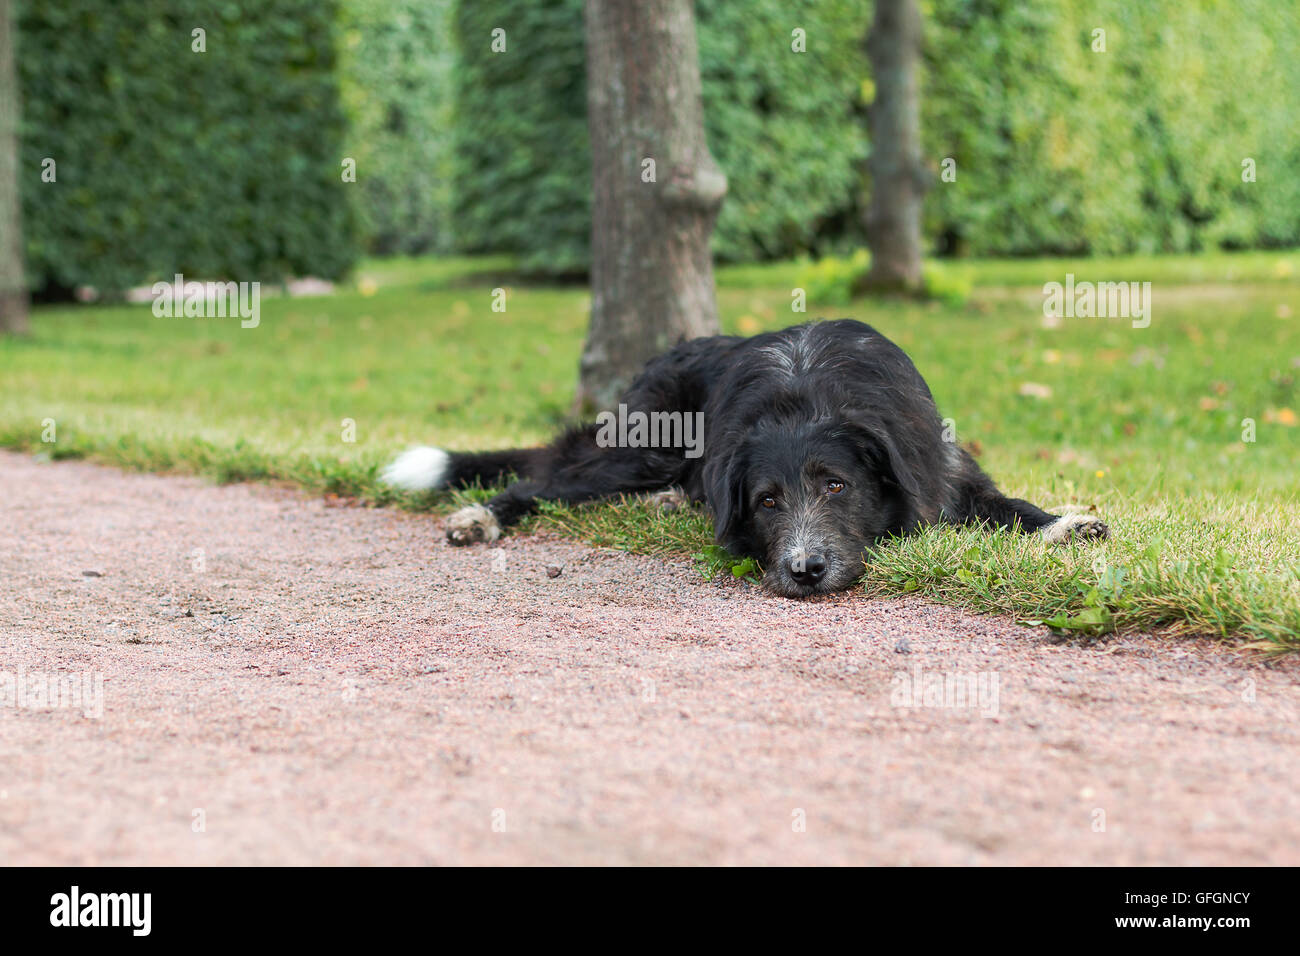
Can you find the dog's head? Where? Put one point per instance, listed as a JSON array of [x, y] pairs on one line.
[[808, 499]]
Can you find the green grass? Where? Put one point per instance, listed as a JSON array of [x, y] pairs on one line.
[[1145, 425]]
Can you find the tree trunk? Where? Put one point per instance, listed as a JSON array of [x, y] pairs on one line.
[[898, 177], [656, 191], [13, 290]]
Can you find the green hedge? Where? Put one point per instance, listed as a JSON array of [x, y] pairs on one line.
[[1061, 149], [787, 128], [397, 63], [781, 124], [224, 164], [522, 161]]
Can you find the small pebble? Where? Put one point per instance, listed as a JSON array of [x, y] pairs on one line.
[[903, 647], [553, 570]]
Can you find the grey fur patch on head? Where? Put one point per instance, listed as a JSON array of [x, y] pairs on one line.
[[790, 356]]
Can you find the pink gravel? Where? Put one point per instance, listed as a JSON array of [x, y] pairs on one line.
[[288, 682]]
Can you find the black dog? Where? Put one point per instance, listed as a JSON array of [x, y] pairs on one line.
[[807, 445]]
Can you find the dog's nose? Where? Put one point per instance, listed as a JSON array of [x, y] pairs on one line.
[[808, 569]]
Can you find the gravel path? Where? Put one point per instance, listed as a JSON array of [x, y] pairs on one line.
[[288, 682]]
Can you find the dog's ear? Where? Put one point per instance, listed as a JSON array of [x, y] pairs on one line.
[[896, 462], [727, 496]]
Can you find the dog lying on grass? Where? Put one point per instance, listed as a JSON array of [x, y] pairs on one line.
[[818, 441]]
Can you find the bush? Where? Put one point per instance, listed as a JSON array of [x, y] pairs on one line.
[[523, 166], [223, 164], [1059, 149], [1067, 150], [834, 280], [397, 65], [781, 124], [785, 127]]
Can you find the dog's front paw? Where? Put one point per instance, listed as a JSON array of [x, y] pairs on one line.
[[674, 499], [472, 524], [1074, 527]]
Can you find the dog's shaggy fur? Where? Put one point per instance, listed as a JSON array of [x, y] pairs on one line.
[[819, 440]]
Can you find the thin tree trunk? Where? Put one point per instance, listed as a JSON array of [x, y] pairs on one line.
[[651, 267], [13, 289], [898, 177]]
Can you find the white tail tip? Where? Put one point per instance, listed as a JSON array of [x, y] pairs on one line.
[[419, 469]]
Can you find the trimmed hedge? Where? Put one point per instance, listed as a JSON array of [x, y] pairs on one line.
[[781, 124], [787, 128], [397, 60], [1063, 149], [522, 161], [1059, 149], [224, 164]]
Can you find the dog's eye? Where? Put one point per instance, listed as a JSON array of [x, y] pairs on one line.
[[834, 487], [769, 502]]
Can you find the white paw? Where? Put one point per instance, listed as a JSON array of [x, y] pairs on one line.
[[471, 524], [1069, 527], [671, 500], [420, 469]]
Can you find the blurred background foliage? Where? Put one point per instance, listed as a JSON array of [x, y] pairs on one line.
[[217, 164], [1063, 150], [227, 164], [398, 67], [783, 126]]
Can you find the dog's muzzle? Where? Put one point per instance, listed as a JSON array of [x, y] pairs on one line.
[[806, 569]]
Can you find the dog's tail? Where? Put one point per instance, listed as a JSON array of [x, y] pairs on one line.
[[426, 468]]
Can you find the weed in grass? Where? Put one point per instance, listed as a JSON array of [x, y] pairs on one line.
[[714, 560]]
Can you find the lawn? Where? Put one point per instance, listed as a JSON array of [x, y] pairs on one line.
[[1183, 434]]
